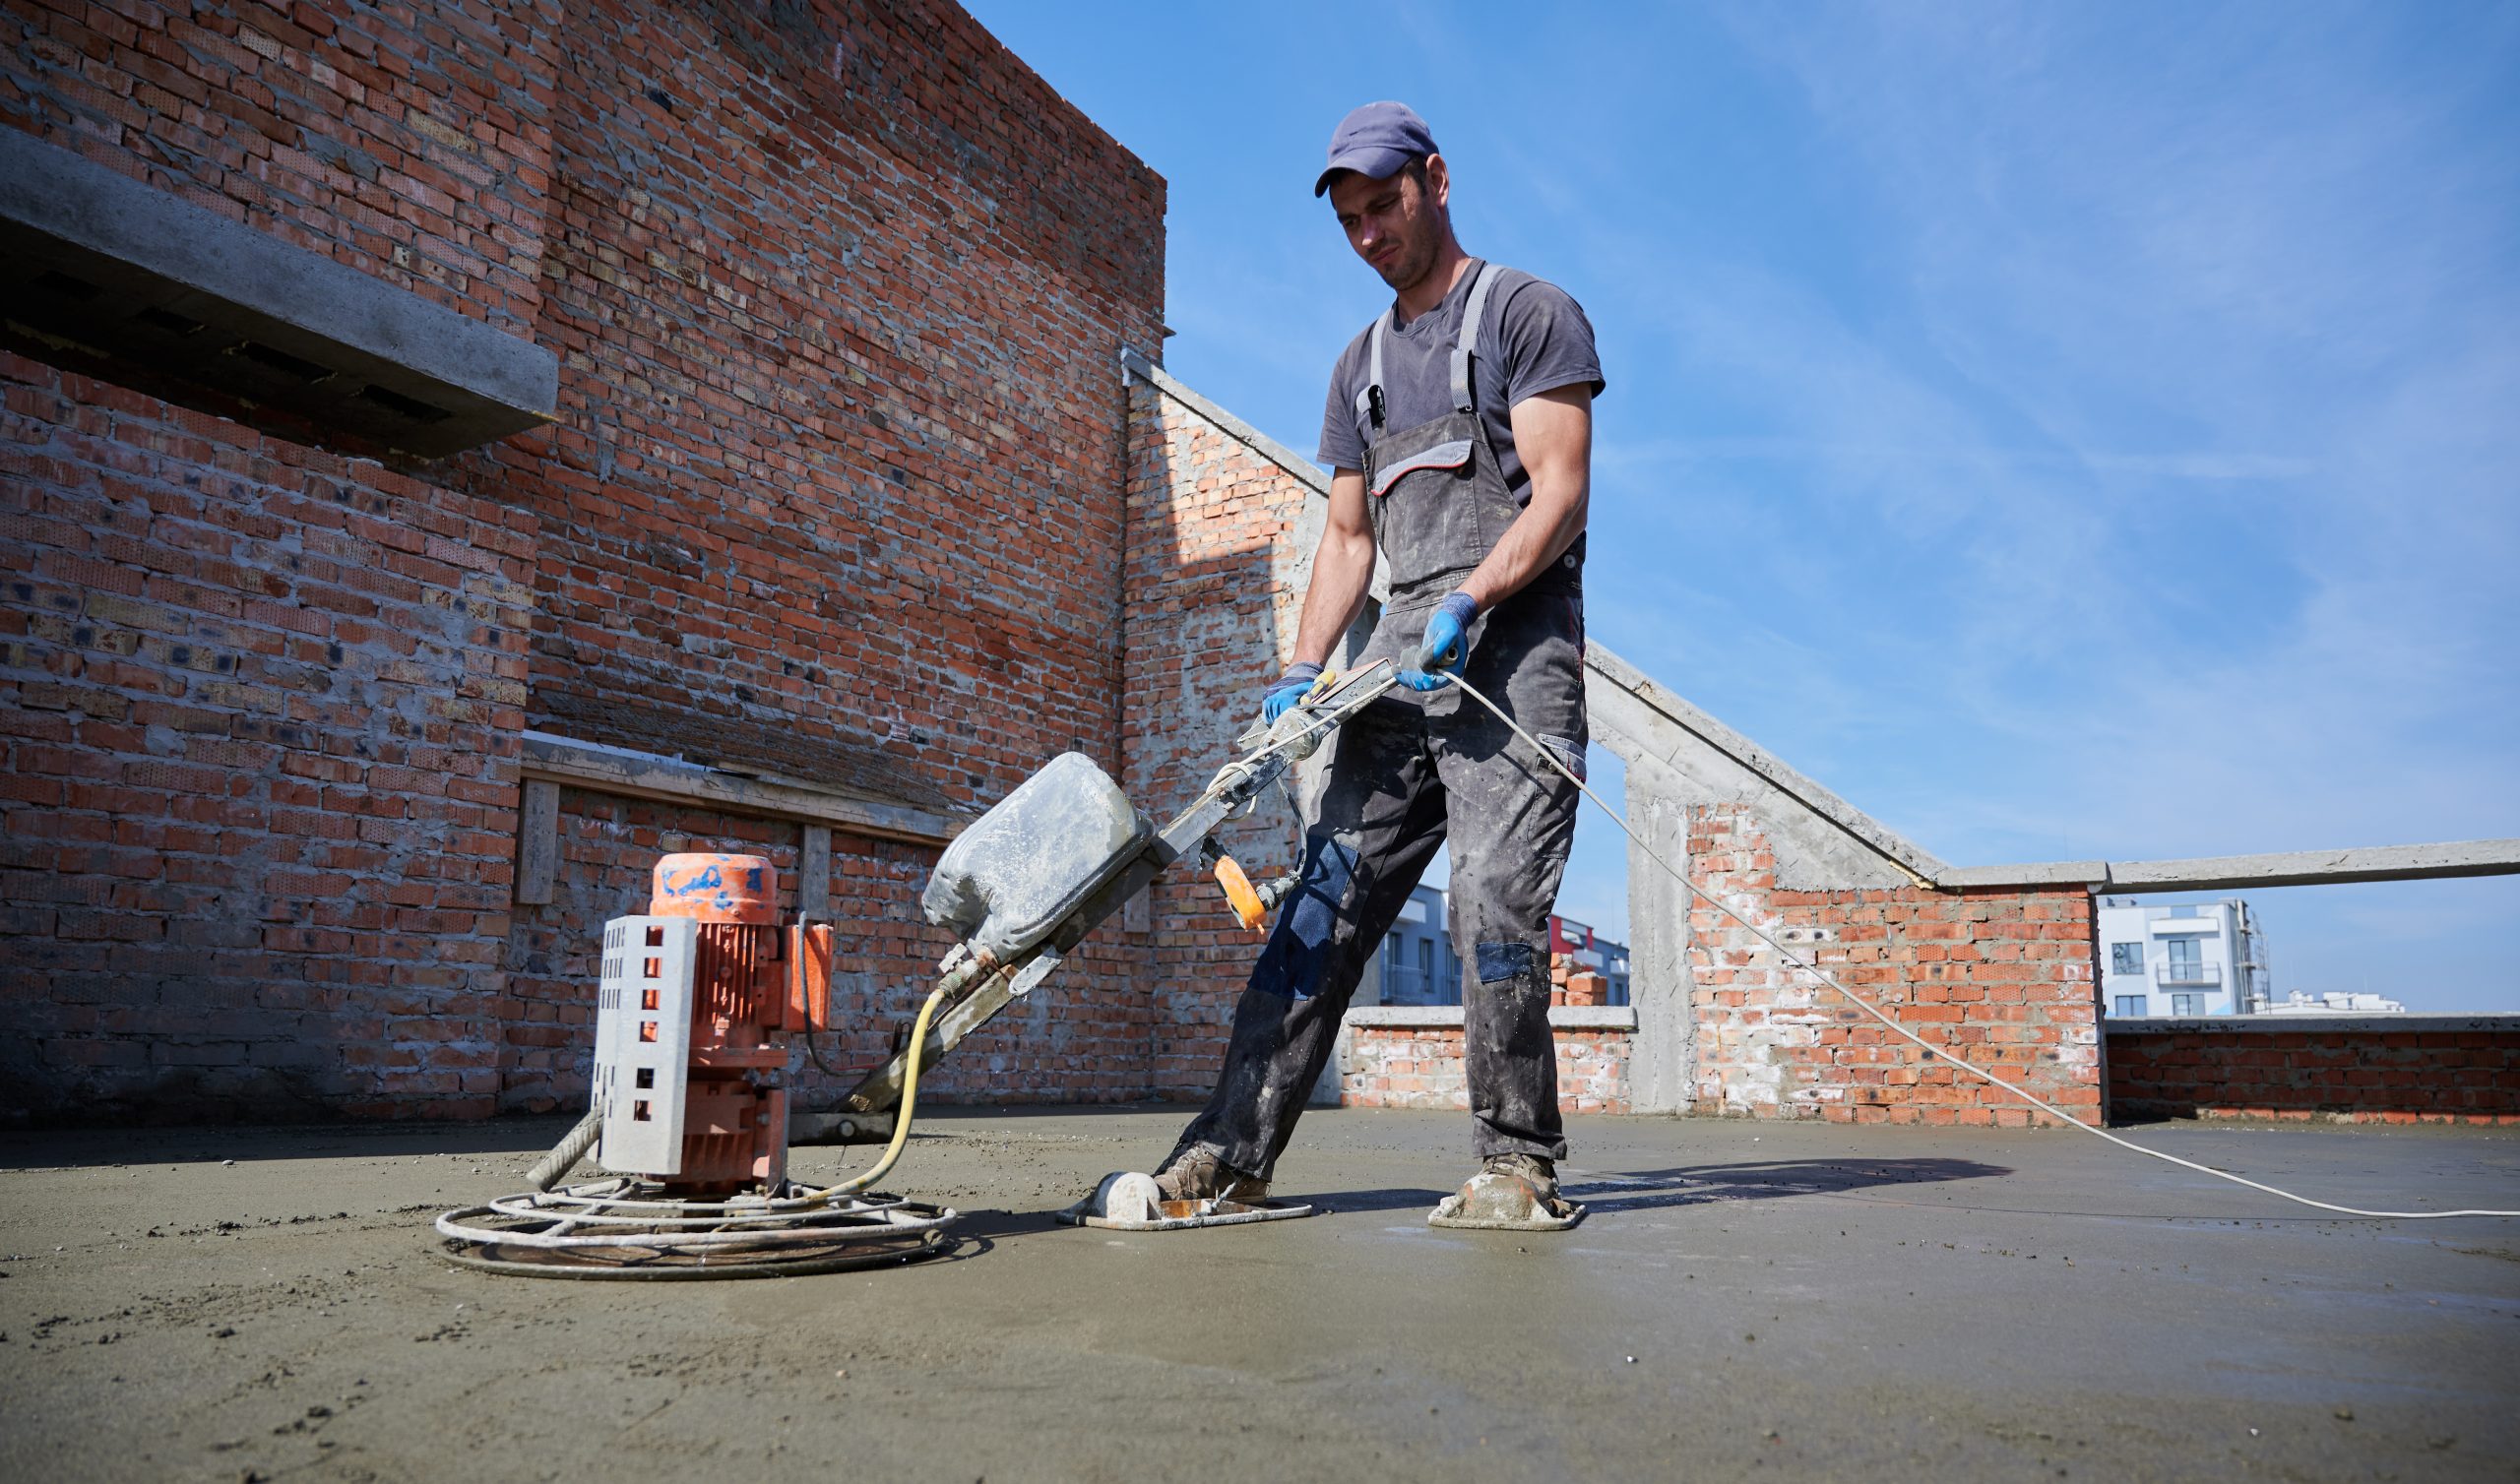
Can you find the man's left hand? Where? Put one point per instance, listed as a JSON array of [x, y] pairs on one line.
[[1446, 646]]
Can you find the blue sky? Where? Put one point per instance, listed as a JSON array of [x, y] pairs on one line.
[[2065, 430]]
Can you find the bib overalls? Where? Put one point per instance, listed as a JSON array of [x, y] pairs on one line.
[[1418, 768]]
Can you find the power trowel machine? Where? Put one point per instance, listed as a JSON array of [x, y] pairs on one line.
[[698, 996]]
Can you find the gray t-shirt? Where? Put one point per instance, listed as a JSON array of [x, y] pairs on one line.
[[1534, 339]]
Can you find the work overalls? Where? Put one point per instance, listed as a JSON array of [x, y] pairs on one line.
[[1414, 770]]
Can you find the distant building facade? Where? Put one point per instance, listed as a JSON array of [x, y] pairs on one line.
[[1594, 952], [1417, 964], [2335, 1003], [2202, 958]]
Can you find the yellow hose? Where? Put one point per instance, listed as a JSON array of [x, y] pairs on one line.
[[901, 1120]]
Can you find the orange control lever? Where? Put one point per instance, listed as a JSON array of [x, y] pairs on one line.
[[1239, 894]]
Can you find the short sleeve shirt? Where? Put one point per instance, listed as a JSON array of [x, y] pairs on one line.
[[1534, 339]]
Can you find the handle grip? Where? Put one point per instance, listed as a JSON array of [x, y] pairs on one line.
[[1239, 894]]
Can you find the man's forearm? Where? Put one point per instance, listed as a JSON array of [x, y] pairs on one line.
[[1538, 537], [1342, 573], [1554, 431]]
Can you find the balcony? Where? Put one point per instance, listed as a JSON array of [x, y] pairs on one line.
[[2188, 973], [1402, 985]]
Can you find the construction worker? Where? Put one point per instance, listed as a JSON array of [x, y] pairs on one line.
[[1460, 426]]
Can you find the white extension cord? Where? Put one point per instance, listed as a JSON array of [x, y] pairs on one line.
[[1860, 1003]]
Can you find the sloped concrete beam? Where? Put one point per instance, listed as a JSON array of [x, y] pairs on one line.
[[1821, 841]]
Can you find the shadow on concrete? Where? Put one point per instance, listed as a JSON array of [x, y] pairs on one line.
[[1606, 1193], [1700, 1185]]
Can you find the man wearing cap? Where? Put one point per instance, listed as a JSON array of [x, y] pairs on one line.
[[1460, 427]]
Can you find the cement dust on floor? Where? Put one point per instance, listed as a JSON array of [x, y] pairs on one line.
[[1745, 1299]]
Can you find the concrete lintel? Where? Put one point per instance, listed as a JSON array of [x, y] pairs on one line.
[[2314, 1025], [1668, 707], [100, 262], [2298, 868], [1449, 1017], [645, 775]]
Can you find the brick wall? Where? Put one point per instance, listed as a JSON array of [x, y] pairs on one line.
[[2392, 1070], [1421, 1067], [260, 707], [840, 294], [1217, 548], [836, 492], [409, 143], [2002, 976]]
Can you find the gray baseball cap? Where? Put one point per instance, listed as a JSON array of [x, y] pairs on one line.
[[1375, 141]]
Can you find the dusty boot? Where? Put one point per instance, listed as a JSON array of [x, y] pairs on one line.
[[1196, 1172], [1510, 1192]]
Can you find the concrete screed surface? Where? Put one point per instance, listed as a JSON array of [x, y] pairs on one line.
[[1811, 1300]]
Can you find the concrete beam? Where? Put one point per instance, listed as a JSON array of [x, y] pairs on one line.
[[2054, 873], [645, 775], [2302, 868], [101, 265]]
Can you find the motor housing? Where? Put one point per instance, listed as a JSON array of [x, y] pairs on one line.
[[698, 997]]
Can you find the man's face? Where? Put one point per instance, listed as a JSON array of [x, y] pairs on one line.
[[1394, 223]]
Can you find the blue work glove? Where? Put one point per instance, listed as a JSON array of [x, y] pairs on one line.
[[1287, 691], [1445, 647]]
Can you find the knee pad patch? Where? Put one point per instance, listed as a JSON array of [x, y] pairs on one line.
[[1502, 962], [1298, 950]]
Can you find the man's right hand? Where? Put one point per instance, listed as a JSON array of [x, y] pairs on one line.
[[1289, 690]]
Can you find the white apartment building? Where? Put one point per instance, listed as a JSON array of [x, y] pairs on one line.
[[2202, 959], [1416, 963]]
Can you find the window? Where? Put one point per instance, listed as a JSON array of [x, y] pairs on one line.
[[2130, 1006], [2186, 1005], [2186, 957], [1391, 994], [2126, 957]]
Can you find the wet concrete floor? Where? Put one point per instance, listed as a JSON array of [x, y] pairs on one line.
[[1746, 1301]]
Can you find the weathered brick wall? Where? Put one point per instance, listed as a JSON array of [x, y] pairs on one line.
[[1214, 574], [840, 292], [2358, 1072], [1422, 1066], [836, 492], [2002, 976], [412, 143], [261, 707]]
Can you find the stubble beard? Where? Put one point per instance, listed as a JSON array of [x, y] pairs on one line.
[[1414, 262]]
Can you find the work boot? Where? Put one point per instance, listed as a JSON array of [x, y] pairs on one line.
[[1538, 1173], [1196, 1172], [1510, 1192]]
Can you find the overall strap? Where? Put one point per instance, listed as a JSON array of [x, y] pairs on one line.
[[1369, 398], [1472, 313]]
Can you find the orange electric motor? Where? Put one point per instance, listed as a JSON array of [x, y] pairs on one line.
[[752, 981]]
